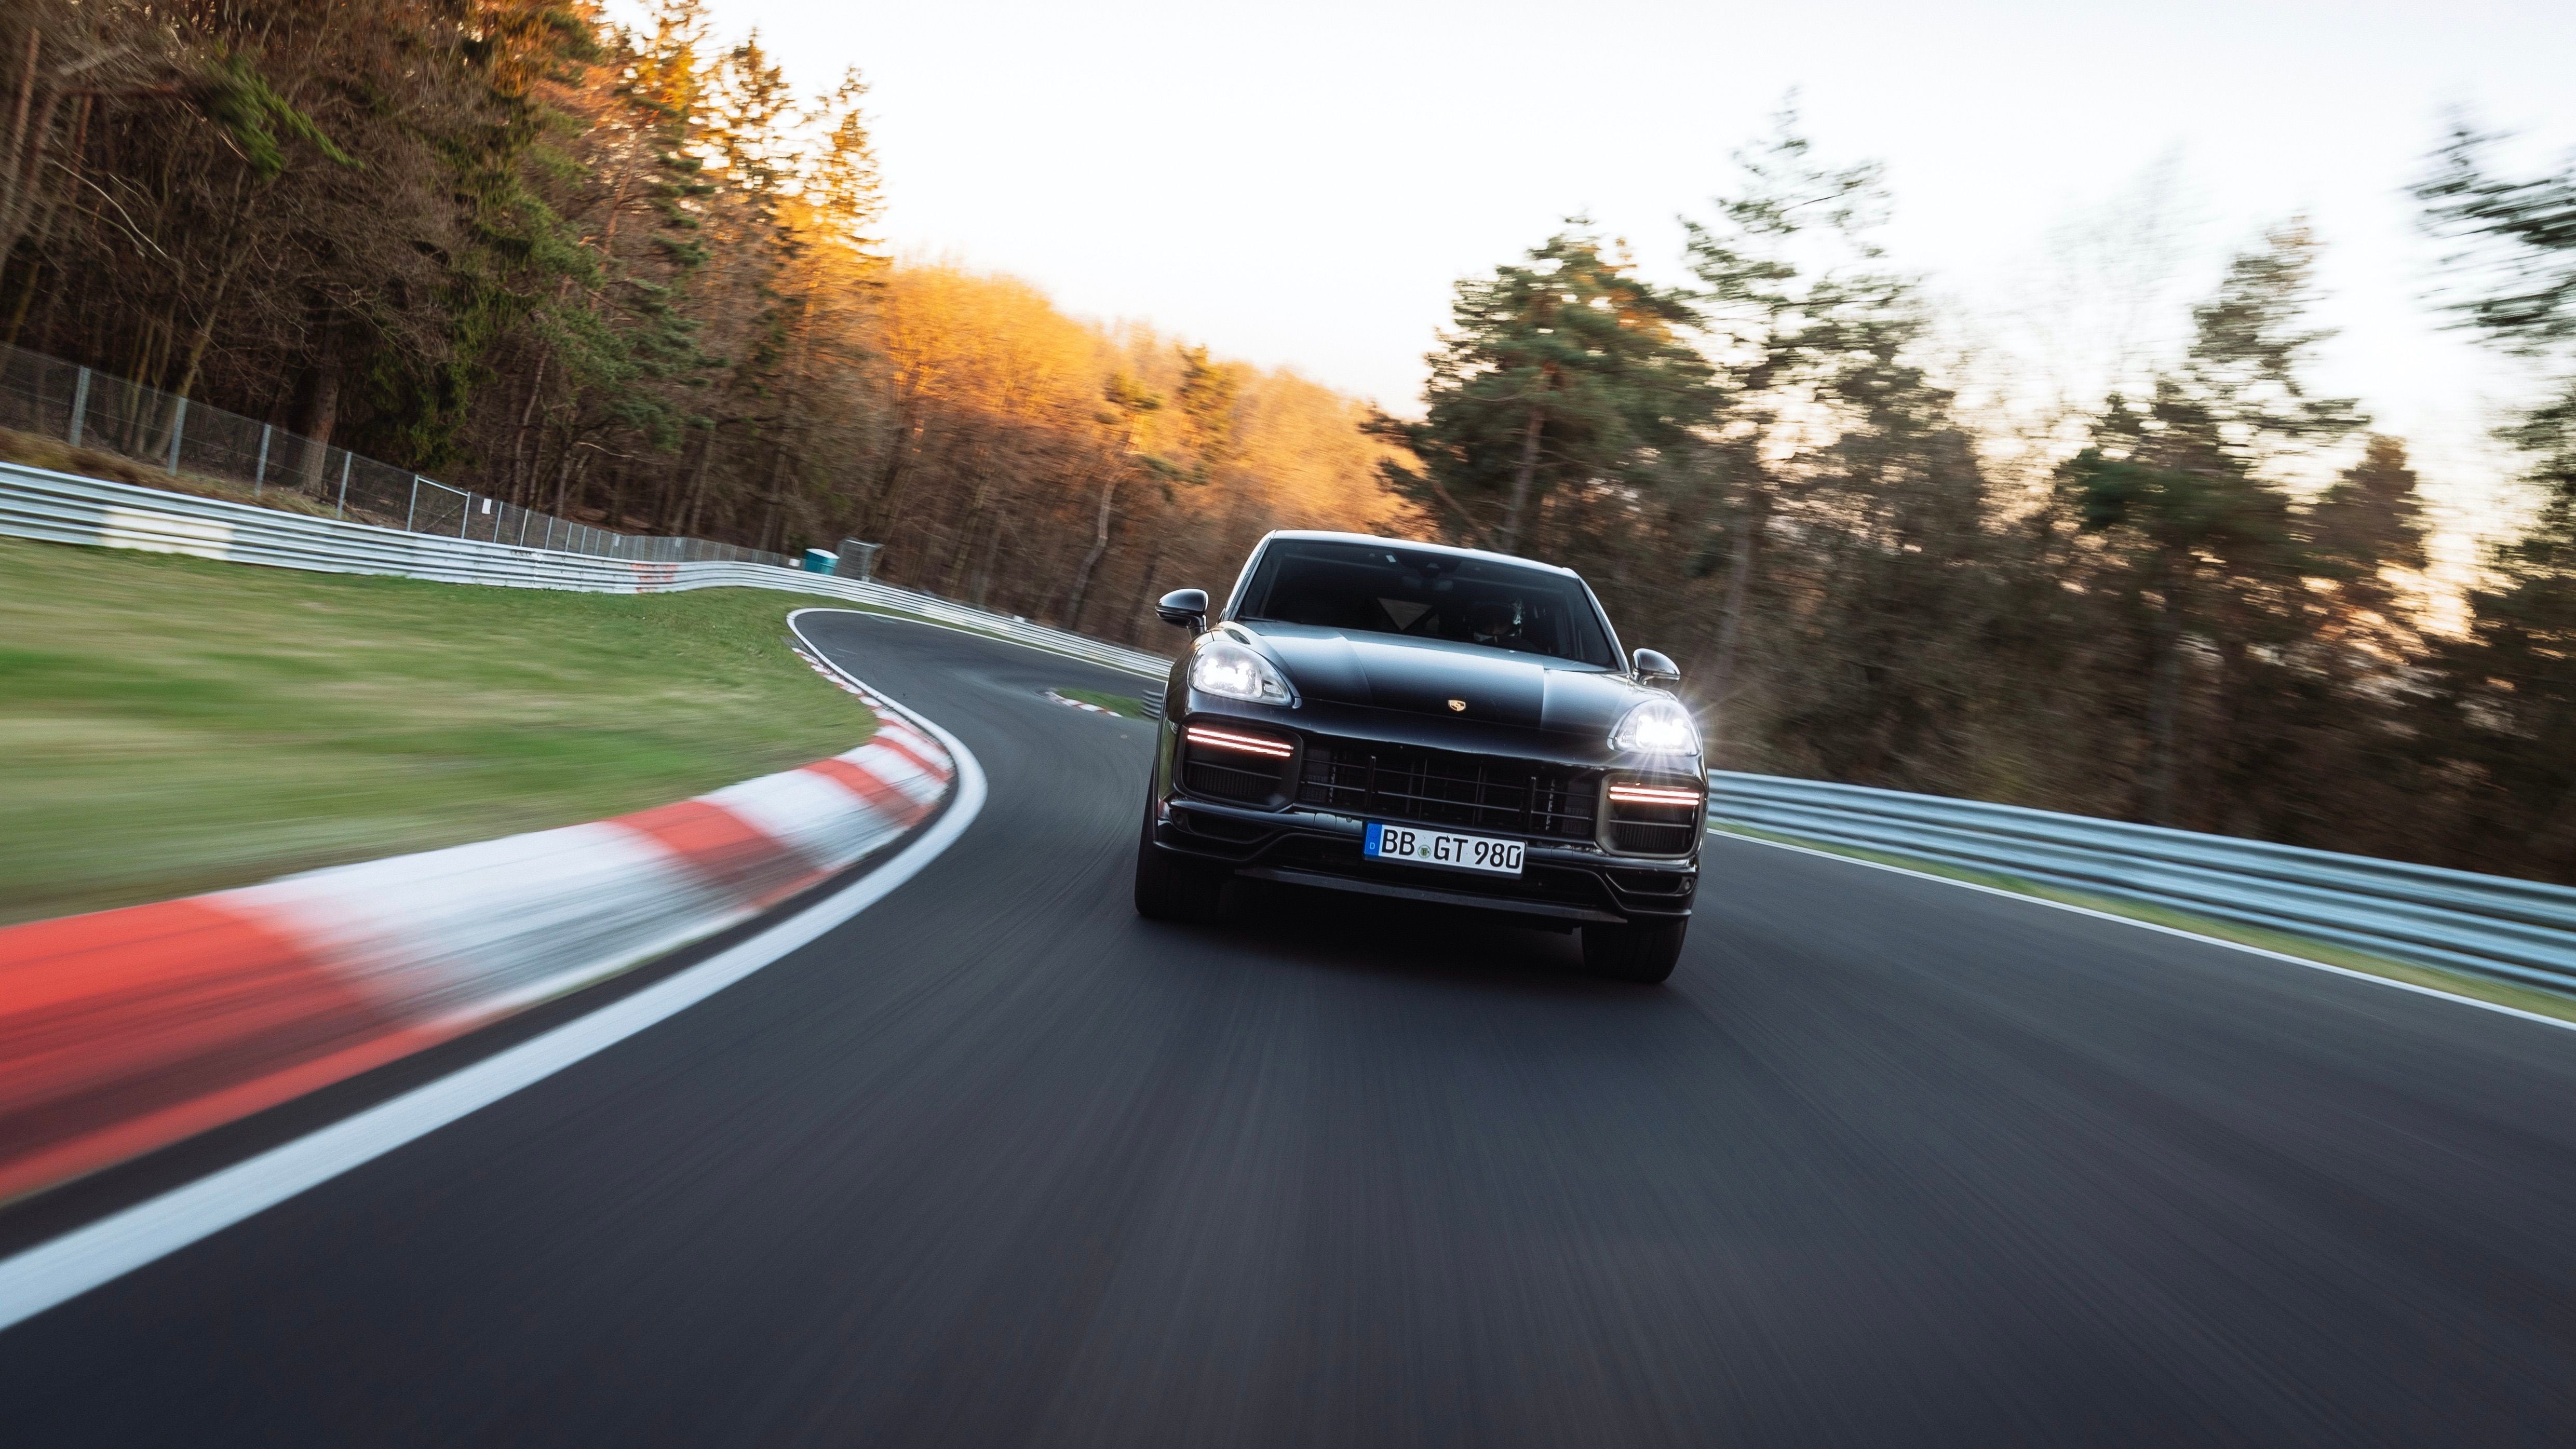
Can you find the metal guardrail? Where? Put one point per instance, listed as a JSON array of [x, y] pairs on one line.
[[66, 508], [2520, 930], [2493, 925], [90, 409]]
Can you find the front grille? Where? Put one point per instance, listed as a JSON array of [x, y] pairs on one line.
[[1477, 792]]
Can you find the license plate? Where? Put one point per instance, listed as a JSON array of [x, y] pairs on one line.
[[1433, 847]]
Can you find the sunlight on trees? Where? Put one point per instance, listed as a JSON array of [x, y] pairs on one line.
[[629, 274]]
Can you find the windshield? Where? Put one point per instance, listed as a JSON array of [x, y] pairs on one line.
[[1382, 589]]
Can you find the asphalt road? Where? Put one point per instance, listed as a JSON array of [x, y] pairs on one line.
[[996, 1163]]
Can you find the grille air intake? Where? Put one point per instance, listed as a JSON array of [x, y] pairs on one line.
[[1649, 817], [1435, 787]]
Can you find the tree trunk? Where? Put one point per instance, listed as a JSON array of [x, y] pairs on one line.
[[17, 197], [25, 162], [234, 257], [523, 477], [1739, 587], [1091, 560], [697, 513], [1153, 566], [2164, 704], [878, 518], [321, 405], [984, 570], [563, 480], [1521, 477]]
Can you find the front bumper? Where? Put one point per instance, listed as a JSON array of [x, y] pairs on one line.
[[1301, 846]]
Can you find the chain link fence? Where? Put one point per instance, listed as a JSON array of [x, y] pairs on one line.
[[86, 408]]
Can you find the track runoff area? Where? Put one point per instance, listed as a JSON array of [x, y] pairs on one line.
[[970, 1153]]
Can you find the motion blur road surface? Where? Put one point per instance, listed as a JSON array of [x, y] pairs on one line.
[[998, 1163]]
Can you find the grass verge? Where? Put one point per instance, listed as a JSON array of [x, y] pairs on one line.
[[170, 725], [2533, 999], [1117, 704]]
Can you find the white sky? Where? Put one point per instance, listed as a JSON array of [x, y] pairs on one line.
[[1300, 185]]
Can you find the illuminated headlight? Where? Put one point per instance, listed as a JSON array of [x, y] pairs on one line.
[[1230, 671], [1657, 727]]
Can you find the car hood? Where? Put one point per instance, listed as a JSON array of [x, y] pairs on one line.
[[1422, 676]]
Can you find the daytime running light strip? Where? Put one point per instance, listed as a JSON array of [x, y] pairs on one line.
[[1649, 795], [1202, 735]]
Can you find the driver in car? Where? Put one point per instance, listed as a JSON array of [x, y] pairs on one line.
[[1496, 624]]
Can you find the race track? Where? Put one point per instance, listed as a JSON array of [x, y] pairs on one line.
[[997, 1163]]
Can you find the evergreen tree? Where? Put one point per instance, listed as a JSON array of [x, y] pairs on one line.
[[2510, 687], [1780, 268], [845, 194], [2182, 495], [1562, 373]]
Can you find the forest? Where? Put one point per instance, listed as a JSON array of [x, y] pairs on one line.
[[625, 275], [631, 275]]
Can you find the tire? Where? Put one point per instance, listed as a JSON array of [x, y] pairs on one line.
[[1642, 951], [1171, 887]]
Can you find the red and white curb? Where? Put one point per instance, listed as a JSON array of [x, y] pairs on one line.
[[1081, 704], [125, 1030]]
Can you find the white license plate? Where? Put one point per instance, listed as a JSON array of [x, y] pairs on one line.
[[1416, 846]]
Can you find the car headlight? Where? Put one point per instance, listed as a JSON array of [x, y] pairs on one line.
[[1230, 671], [1657, 727]]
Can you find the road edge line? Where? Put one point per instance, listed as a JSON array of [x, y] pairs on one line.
[[2100, 915], [888, 611]]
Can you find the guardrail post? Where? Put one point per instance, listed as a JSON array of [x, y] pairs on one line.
[[178, 421], [80, 405], [413, 511], [259, 475], [467, 517], [342, 507]]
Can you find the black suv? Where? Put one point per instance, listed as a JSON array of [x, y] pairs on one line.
[[1432, 724]]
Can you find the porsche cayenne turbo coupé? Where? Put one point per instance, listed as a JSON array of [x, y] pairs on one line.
[[1432, 724]]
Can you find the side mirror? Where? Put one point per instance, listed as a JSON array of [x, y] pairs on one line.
[[1652, 668], [1185, 607]]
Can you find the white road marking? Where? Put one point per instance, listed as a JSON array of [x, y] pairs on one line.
[[2436, 993]]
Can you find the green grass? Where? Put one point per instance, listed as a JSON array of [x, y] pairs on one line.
[[1117, 704], [171, 725], [2456, 983]]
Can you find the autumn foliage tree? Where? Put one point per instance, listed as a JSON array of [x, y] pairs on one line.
[[629, 274]]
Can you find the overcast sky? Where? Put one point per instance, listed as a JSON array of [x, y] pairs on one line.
[[1301, 184]]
